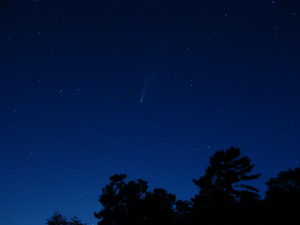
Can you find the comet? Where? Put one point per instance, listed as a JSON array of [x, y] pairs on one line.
[[142, 96], [148, 81], [142, 99]]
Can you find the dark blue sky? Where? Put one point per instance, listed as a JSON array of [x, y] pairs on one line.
[[211, 74]]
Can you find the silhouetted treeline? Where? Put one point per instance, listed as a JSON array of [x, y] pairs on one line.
[[224, 197]]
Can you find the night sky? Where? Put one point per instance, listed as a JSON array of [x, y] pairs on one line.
[[151, 88]]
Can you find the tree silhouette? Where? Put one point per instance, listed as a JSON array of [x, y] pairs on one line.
[[58, 219], [223, 198], [285, 188], [183, 212], [223, 176], [283, 197], [132, 203], [121, 201], [75, 221], [220, 188], [159, 207]]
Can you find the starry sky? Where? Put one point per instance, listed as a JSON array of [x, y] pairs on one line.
[[151, 88]]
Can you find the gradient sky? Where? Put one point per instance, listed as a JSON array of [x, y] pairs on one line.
[[149, 88]]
